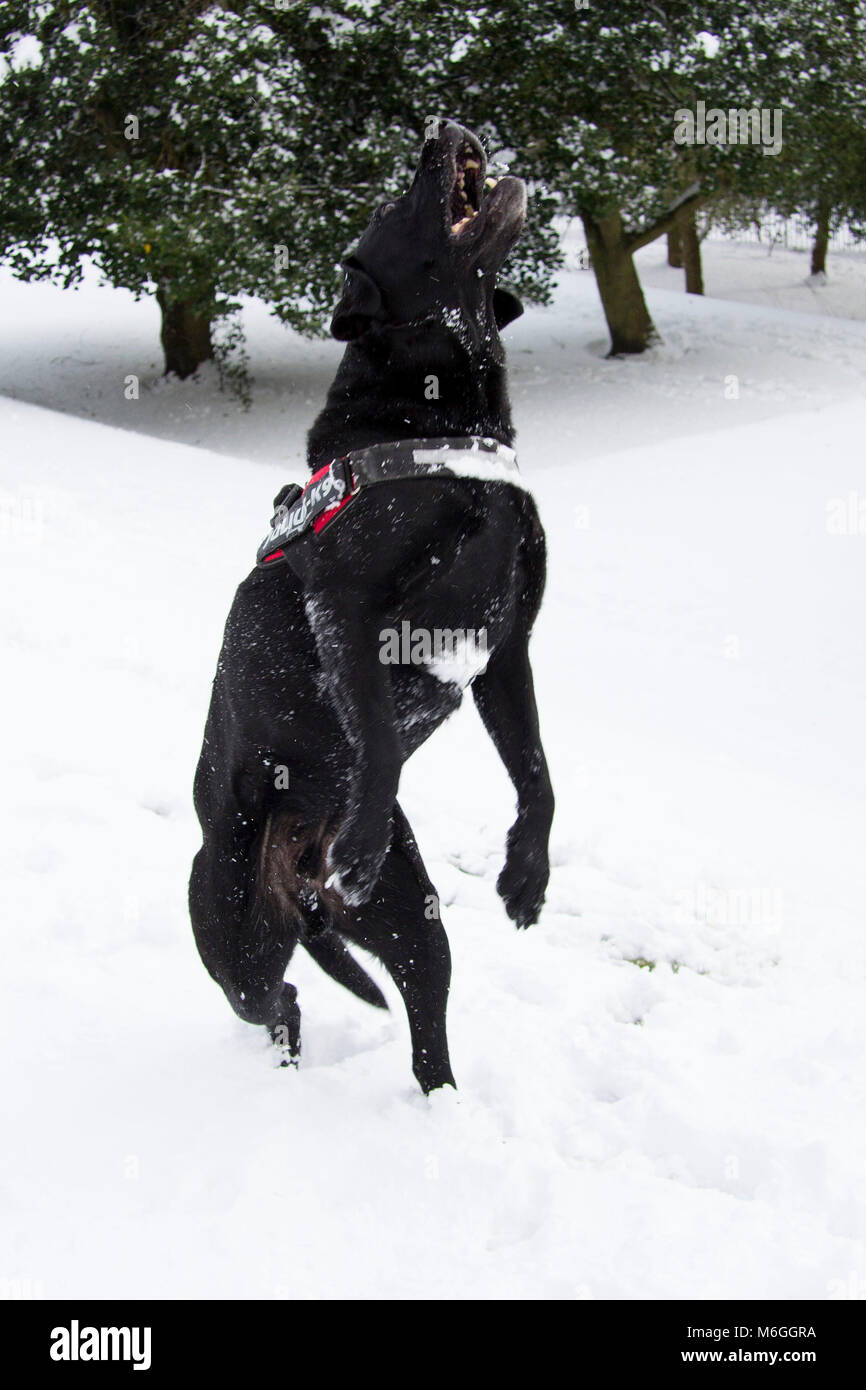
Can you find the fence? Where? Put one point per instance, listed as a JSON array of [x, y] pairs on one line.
[[791, 233]]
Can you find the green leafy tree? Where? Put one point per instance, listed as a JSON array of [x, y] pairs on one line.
[[181, 148], [109, 149], [821, 174], [201, 151], [589, 96]]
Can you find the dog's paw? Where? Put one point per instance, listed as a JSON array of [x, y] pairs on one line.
[[523, 882], [285, 1031], [354, 866]]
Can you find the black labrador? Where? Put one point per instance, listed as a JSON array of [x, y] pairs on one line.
[[309, 723]]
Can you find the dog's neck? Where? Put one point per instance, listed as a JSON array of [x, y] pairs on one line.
[[412, 383]]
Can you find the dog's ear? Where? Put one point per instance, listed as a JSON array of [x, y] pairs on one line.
[[506, 307], [359, 304]]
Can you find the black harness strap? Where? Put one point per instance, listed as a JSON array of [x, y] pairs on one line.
[[332, 488]]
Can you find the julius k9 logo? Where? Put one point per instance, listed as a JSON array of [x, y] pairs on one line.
[[329, 488], [75, 1343]]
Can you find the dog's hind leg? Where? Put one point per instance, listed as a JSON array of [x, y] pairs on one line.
[[286, 1031], [245, 937], [400, 924]]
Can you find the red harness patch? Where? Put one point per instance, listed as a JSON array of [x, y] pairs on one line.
[[321, 521], [309, 509]]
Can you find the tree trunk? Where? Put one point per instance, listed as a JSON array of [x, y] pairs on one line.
[[185, 332], [675, 248], [692, 256], [822, 240], [631, 328]]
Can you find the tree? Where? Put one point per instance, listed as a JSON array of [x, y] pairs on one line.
[[200, 151], [589, 97], [821, 174], [101, 150], [692, 256], [181, 149]]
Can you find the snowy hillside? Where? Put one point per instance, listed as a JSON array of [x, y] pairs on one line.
[[661, 1085]]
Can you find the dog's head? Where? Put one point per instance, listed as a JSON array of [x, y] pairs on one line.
[[434, 254]]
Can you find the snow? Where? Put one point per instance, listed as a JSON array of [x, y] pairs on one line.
[[474, 462], [661, 1084], [459, 660], [769, 276]]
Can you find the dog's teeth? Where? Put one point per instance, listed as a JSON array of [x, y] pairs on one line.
[[458, 226], [472, 164]]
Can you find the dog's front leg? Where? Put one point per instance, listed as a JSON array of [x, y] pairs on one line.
[[359, 686], [505, 697]]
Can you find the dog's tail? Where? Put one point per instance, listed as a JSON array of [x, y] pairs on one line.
[[329, 951], [291, 877]]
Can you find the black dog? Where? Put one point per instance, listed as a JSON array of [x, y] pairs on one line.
[[302, 694]]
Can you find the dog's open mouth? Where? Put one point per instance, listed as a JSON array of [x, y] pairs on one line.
[[467, 190], [478, 213]]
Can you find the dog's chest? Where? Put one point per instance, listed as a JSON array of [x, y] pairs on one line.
[[446, 626]]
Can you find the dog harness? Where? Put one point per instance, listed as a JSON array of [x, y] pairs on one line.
[[334, 487]]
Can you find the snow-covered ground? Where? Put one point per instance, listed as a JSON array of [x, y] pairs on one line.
[[662, 1084]]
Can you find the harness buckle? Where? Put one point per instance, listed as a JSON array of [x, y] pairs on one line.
[[342, 469]]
